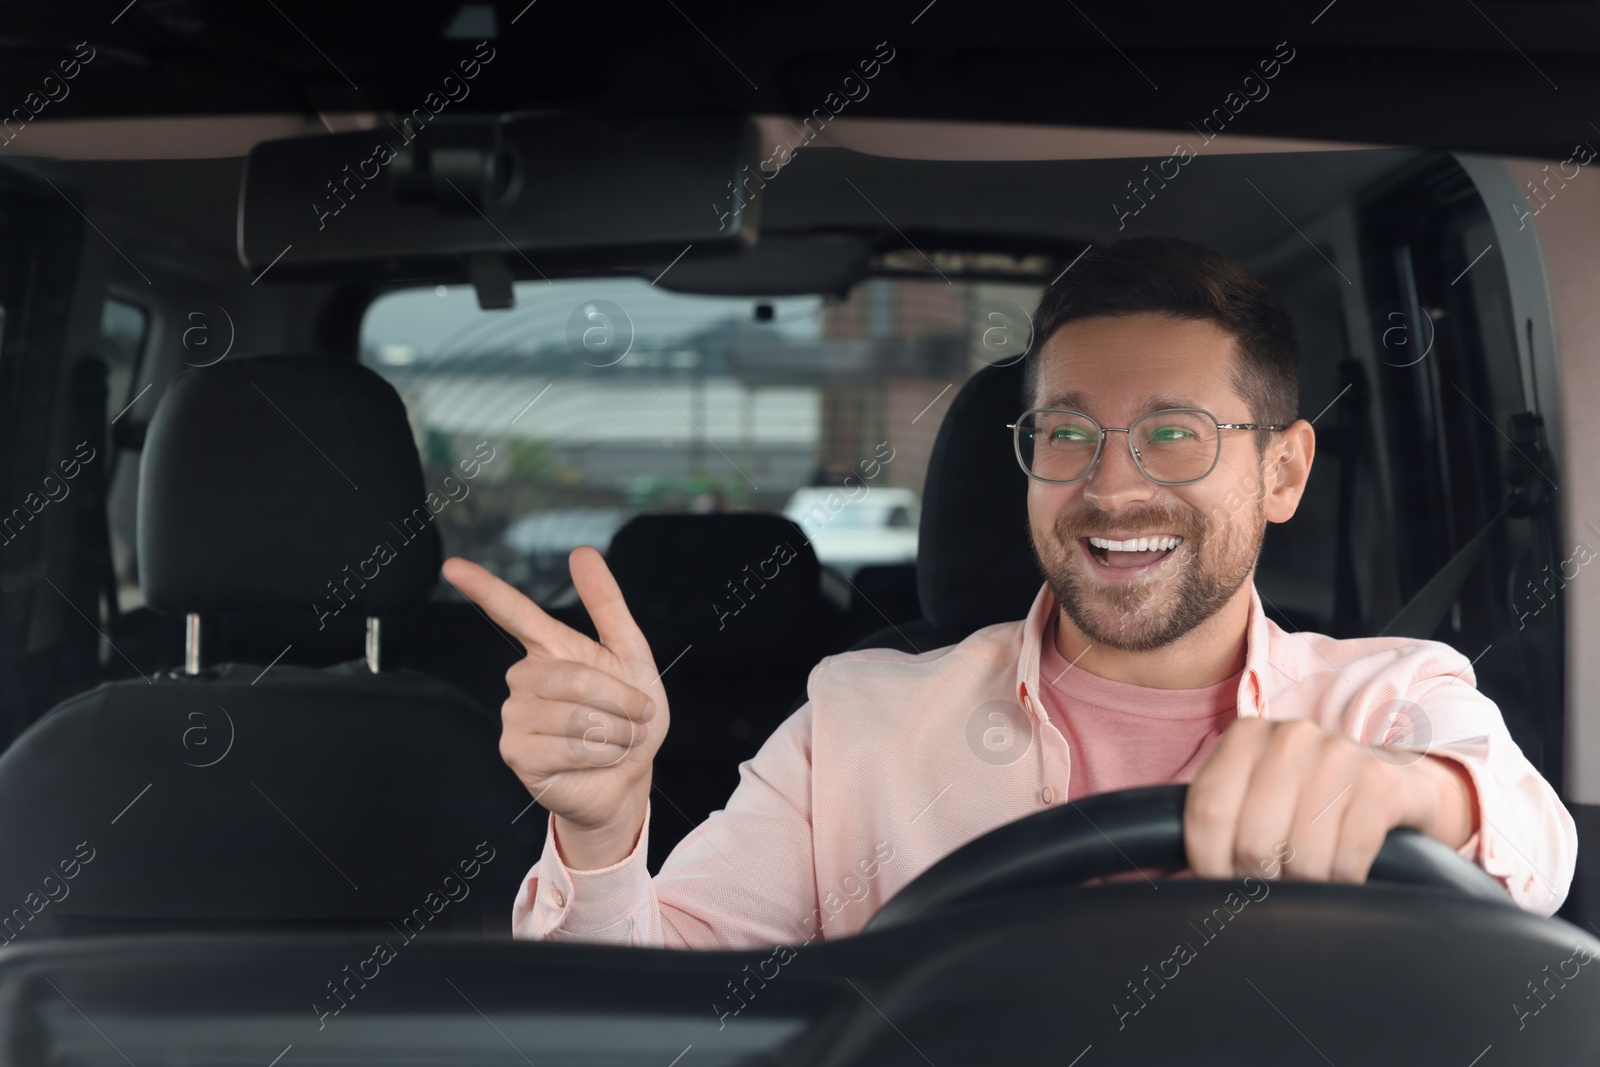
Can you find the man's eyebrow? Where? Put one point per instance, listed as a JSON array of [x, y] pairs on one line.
[[1076, 401], [1065, 399], [1156, 401]]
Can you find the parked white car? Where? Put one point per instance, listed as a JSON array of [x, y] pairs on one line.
[[546, 538], [854, 527]]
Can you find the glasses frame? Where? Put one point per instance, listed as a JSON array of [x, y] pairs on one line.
[[1100, 443]]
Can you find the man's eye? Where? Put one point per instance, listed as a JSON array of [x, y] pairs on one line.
[[1069, 433], [1171, 433]]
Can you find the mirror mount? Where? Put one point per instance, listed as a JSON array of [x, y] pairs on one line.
[[465, 166], [491, 280]]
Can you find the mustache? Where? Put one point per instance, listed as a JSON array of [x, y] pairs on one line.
[[1186, 524]]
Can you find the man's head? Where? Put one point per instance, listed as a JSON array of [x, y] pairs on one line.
[[1141, 325]]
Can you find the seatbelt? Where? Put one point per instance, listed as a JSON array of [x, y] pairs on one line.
[[1530, 494], [1421, 617]]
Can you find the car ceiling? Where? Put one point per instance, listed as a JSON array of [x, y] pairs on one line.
[[181, 207], [1508, 77]]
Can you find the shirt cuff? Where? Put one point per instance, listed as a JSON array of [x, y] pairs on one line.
[[604, 904], [1486, 847]]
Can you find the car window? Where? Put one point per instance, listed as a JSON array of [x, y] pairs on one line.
[[600, 399], [124, 328]]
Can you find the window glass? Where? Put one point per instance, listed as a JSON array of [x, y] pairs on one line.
[[595, 400], [123, 329], [122, 332]]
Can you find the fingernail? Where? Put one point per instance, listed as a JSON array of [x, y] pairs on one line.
[[649, 710]]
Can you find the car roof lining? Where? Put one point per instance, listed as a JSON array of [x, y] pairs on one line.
[[1240, 203]]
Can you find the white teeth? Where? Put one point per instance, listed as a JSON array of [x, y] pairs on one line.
[[1137, 544]]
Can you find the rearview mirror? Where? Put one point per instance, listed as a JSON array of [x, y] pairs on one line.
[[591, 191]]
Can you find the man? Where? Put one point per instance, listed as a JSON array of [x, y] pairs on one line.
[[1160, 440]]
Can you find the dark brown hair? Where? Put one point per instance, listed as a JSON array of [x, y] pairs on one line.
[[1169, 276]]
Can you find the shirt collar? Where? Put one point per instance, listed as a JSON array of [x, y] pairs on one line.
[[1251, 701]]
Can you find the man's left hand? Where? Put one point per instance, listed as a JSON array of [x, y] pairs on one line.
[[1331, 799]]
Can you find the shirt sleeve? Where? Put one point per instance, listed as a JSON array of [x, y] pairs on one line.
[[744, 878], [1525, 838]]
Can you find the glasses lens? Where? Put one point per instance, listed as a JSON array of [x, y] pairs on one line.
[[1175, 446], [1057, 445]]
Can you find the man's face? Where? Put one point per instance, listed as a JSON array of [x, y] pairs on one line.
[[1115, 369]]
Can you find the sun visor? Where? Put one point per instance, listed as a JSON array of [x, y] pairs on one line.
[[569, 191]]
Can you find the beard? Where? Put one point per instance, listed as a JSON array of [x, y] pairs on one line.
[[1194, 582]]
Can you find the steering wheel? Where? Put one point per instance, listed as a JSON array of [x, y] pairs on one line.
[[1128, 830]]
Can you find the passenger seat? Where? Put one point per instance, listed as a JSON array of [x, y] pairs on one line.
[[265, 795]]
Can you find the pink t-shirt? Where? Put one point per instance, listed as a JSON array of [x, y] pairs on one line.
[[1122, 736]]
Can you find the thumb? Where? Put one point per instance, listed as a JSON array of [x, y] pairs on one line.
[[601, 595]]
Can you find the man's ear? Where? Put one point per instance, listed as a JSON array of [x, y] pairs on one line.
[[1288, 466]]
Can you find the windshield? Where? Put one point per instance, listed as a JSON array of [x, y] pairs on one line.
[[607, 398]]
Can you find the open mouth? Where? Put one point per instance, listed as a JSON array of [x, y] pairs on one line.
[[1129, 556]]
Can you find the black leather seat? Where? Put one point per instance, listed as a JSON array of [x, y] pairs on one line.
[[881, 594], [732, 607], [974, 566], [268, 795]]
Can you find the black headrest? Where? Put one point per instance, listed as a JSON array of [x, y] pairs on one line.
[[285, 483], [974, 566], [741, 588]]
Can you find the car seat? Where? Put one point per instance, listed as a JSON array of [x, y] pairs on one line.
[[264, 795]]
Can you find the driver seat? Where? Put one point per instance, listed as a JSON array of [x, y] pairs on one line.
[[974, 564]]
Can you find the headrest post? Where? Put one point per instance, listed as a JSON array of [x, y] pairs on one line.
[[191, 643], [372, 643]]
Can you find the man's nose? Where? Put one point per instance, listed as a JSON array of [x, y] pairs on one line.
[[1116, 479]]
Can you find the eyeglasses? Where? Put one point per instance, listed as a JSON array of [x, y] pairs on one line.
[[1172, 446]]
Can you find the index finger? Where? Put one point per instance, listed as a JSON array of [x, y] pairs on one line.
[[1216, 798], [506, 605]]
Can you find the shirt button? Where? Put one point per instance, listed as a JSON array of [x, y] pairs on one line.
[[561, 899], [1047, 795], [1027, 703]]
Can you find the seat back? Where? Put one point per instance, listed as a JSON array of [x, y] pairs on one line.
[[731, 605], [975, 566], [290, 799]]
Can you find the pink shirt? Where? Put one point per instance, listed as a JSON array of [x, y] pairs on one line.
[[896, 760], [1124, 735]]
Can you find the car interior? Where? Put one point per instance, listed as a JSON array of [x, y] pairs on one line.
[[237, 692]]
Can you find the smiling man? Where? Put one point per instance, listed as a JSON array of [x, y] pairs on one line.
[[1160, 438]]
